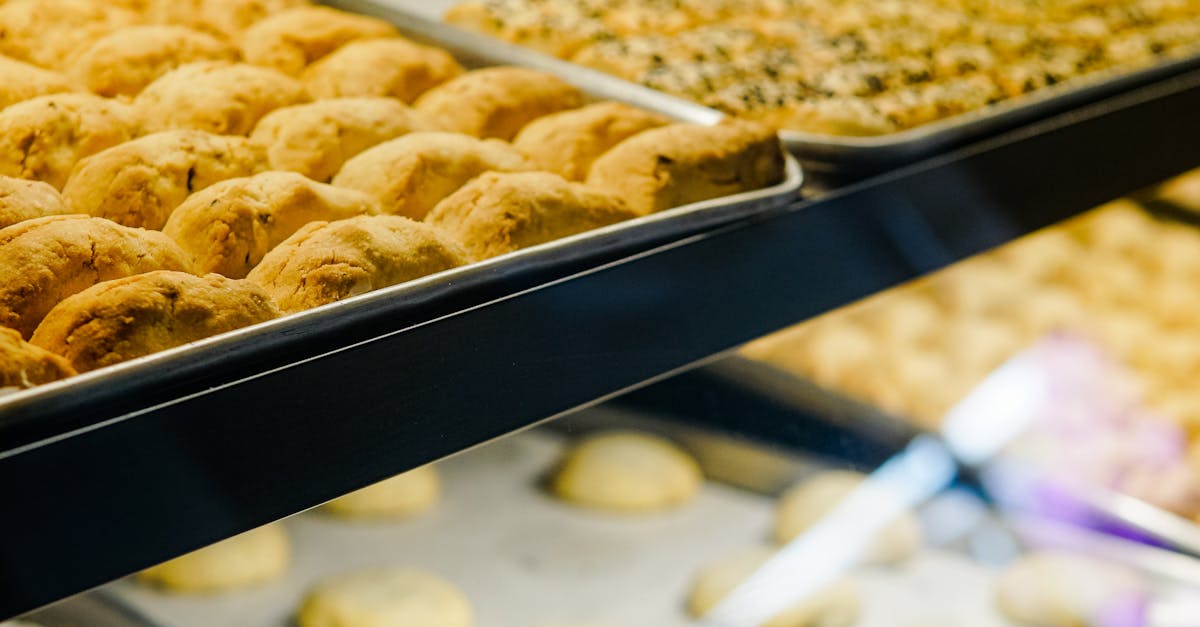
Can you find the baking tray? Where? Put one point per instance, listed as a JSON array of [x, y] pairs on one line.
[[99, 608]]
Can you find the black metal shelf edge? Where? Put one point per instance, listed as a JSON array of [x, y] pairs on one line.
[[275, 430]]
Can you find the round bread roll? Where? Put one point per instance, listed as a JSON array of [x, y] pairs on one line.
[[385, 598], [627, 472], [44, 137], [224, 18], [290, 40], [251, 558], [568, 142], [214, 96], [22, 199], [497, 101], [401, 496], [807, 503], [1065, 590], [380, 68], [23, 365], [47, 33], [835, 606], [22, 81], [126, 61]]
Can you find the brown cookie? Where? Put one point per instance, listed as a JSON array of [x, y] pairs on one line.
[[222, 98], [393, 67], [22, 199], [23, 365], [126, 61], [290, 40], [568, 142], [497, 101]]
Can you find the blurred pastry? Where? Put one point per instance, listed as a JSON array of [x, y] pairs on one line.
[[316, 139], [325, 262], [139, 315], [498, 213], [627, 472], [45, 260], [497, 102], [46, 33], [22, 199], [126, 61], [568, 142], [1183, 191], [21, 81], [23, 365], [683, 163], [43, 138], [224, 18], [290, 40], [140, 182], [245, 560], [228, 228], [411, 174], [213, 96], [380, 597], [404, 495], [1065, 590], [393, 67]]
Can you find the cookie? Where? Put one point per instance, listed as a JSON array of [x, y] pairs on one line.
[[126, 61], [47, 33], [325, 262], [411, 174], [45, 260], [497, 102], [21, 81], [23, 365], [224, 18], [317, 138], [1052, 589], [627, 472], [392, 67], [245, 560], [229, 227], [401, 496], [22, 199], [681, 164], [221, 98], [568, 142], [140, 182], [393, 596], [290, 40]]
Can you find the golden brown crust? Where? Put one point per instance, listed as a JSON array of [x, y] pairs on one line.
[[409, 175], [131, 317], [317, 138], [229, 227], [684, 163], [23, 365], [48, 33], [43, 138], [21, 81], [568, 142], [499, 213], [225, 18], [221, 98], [393, 67], [22, 199], [126, 61], [290, 40], [326, 262], [497, 101], [140, 182], [45, 260]]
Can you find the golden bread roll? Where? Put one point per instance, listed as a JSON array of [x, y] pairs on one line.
[[126, 61], [568, 142], [317, 138], [290, 40], [21, 81], [683, 163], [45, 260], [385, 598], [498, 213], [404, 495], [23, 365], [325, 262], [139, 315], [48, 33], [245, 560], [222, 98], [22, 199], [497, 102], [225, 18], [229, 227], [411, 174], [627, 472], [392, 67], [43, 138], [140, 182]]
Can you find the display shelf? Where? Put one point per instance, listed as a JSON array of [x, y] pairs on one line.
[[170, 454]]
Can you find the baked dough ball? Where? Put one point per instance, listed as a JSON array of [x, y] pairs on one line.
[[497, 102], [290, 40], [22, 199], [244, 560], [498, 213], [627, 472], [126, 61], [807, 503], [404, 495], [45, 260], [140, 182], [43, 138], [326, 262], [384, 598], [684, 163], [393, 68], [411, 174], [1054, 589], [835, 606], [568, 142], [222, 98], [317, 138], [229, 227], [23, 365], [47, 32], [22, 81], [1183, 190], [139, 315], [226, 18]]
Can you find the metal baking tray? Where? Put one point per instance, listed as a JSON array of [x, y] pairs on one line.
[[99, 608]]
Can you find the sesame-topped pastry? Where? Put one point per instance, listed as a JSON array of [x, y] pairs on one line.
[[217, 97], [568, 142], [43, 138], [23, 365], [497, 101], [126, 61], [22, 199], [393, 67], [291, 40]]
